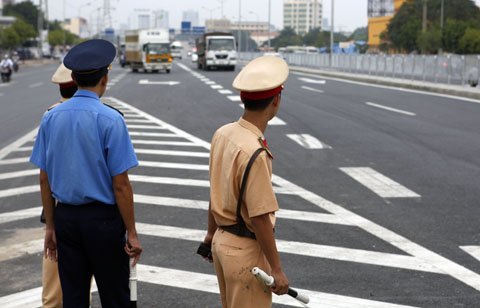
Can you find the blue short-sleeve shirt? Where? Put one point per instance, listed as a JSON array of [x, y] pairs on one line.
[[81, 145]]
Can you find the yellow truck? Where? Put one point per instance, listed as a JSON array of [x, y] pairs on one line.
[[148, 50]]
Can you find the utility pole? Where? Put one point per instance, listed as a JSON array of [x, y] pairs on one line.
[[442, 10], [40, 27], [424, 19], [239, 22], [331, 33], [269, 22]]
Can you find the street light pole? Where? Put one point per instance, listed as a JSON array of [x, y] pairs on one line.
[[331, 33], [442, 10], [239, 22]]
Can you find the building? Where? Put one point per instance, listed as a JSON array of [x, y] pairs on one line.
[[380, 12], [160, 19], [218, 25], [191, 16], [140, 19], [302, 15], [77, 26]]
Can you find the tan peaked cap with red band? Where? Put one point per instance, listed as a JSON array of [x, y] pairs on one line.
[[262, 77], [62, 75]]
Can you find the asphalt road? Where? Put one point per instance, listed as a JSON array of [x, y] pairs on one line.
[[378, 188]]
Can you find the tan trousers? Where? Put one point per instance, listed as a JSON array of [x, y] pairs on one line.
[[234, 257], [52, 291]]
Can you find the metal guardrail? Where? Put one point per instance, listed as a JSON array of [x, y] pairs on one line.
[[448, 69]]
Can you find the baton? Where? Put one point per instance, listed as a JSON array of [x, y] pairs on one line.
[[268, 280], [133, 284]]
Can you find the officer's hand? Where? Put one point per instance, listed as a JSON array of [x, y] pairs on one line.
[[281, 282], [133, 248], [50, 245]]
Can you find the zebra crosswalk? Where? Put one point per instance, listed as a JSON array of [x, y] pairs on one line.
[[171, 197]]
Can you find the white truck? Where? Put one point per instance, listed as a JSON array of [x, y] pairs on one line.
[[216, 50], [148, 50]]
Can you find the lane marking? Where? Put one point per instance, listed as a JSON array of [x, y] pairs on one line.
[[312, 89], [19, 191], [141, 134], [378, 183], [173, 143], [391, 109], [210, 82], [216, 86], [145, 127], [24, 149], [19, 174], [392, 88], [168, 180], [201, 282], [225, 91], [303, 249], [474, 251], [315, 81], [24, 248], [137, 121], [148, 82], [20, 214], [173, 153], [35, 85], [308, 141], [17, 143], [13, 161], [155, 164], [234, 98], [276, 121]]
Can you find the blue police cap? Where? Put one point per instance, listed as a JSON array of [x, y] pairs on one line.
[[90, 57]]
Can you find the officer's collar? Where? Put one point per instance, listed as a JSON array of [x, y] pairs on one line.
[[87, 93], [244, 123]]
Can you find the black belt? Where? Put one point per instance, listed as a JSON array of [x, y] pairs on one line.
[[238, 230]]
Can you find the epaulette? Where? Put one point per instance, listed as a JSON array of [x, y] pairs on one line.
[[53, 106], [114, 109], [264, 144]]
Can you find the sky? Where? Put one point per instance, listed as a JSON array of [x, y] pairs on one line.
[[349, 14]]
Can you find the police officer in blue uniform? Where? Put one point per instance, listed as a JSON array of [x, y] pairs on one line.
[[84, 152]]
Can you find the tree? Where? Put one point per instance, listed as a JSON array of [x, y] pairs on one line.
[[25, 10], [24, 30], [9, 39], [359, 34], [430, 41], [61, 37], [287, 37], [470, 42], [452, 33]]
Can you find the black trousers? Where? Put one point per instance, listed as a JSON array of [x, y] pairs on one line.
[[90, 241]]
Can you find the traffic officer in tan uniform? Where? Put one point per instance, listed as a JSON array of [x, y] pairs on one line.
[[52, 291], [243, 239]]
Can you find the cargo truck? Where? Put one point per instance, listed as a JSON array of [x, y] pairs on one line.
[[216, 50], [148, 50]]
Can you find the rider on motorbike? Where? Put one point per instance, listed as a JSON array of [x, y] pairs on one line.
[[6, 66]]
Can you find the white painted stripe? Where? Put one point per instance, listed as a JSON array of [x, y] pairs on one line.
[[168, 180], [17, 143], [19, 191], [276, 121], [216, 86], [304, 249], [145, 127], [205, 79], [311, 216], [24, 149], [35, 85], [174, 143], [307, 141], [225, 91], [378, 183], [172, 153], [312, 89], [201, 282], [20, 214], [210, 82], [308, 80], [13, 161], [155, 164], [137, 121], [474, 251], [391, 109], [18, 174], [167, 135], [20, 249], [394, 88], [234, 98], [132, 116]]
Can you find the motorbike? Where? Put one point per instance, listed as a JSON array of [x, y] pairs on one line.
[[6, 72], [15, 66]]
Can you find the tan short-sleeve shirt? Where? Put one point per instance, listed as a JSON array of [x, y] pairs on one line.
[[231, 149]]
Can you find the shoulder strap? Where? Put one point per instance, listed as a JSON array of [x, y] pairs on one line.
[[240, 220], [114, 109]]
